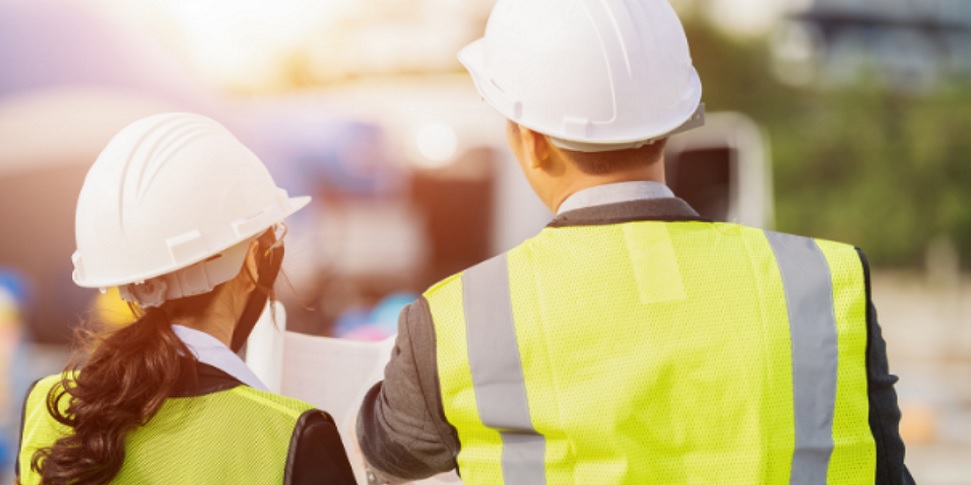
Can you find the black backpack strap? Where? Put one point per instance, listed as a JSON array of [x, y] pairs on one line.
[[316, 453]]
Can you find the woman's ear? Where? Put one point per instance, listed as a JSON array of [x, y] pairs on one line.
[[250, 267]]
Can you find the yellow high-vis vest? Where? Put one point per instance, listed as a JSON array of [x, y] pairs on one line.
[[658, 353], [239, 435]]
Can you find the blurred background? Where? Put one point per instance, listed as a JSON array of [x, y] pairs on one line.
[[848, 120]]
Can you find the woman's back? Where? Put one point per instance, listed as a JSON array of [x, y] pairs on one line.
[[217, 430]]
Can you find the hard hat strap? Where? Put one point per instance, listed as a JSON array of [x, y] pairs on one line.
[[269, 261]]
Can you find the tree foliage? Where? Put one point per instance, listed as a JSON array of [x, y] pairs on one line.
[[865, 164]]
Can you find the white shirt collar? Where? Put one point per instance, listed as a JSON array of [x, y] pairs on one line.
[[615, 193], [210, 350]]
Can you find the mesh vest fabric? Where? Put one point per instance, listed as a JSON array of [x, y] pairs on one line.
[[657, 352], [240, 435]]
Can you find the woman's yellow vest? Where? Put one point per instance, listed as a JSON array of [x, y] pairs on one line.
[[658, 352], [240, 435]]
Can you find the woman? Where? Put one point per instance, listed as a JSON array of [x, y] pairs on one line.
[[185, 221]]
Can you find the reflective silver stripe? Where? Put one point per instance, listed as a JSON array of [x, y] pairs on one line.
[[812, 325], [497, 373]]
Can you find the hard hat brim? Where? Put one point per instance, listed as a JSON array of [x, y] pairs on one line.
[[292, 206], [472, 57]]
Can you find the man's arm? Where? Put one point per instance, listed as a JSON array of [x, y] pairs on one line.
[[884, 411], [401, 427]]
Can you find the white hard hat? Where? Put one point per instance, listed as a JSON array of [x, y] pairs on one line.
[[593, 75], [169, 207]]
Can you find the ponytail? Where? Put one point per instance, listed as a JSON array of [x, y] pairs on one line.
[[124, 382]]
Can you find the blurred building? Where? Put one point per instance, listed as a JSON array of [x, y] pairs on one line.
[[910, 45], [71, 78], [409, 169]]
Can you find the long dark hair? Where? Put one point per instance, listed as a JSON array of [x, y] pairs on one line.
[[125, 380]]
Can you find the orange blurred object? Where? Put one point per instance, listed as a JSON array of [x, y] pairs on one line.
[[918, 423]]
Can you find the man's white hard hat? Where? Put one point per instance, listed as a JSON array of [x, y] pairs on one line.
[[169, 207], [593, 75]]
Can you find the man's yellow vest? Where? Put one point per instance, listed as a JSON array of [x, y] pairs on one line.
[[240, 435], [658, 352]]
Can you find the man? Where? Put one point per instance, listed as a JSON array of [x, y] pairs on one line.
[[630, 341]]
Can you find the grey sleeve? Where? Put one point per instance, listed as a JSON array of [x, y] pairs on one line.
[[401, 427]]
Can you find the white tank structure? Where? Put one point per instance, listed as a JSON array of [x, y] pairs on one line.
[[724, 170]]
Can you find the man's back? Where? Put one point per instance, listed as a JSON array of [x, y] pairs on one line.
[[657, 351], [619, 346]]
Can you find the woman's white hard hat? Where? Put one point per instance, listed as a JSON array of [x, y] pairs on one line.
[[169, 207], [593, 75]]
